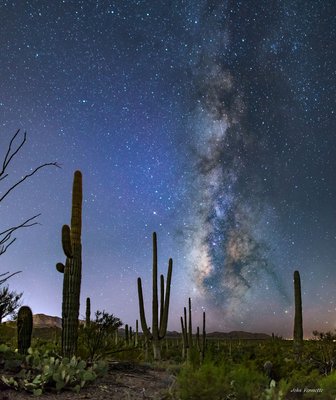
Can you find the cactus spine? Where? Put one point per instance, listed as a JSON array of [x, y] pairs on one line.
[[24, 329], [72, 270], [298, 329], [159, 328]]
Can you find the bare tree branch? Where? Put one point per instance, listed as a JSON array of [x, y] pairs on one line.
[[7, 239], [9, 156], [6, 236], [55, 164], [3, 277]]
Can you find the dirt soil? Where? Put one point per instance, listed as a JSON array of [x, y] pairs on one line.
[[123, 381]]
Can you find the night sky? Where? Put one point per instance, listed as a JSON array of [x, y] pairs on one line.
[[209, 122]]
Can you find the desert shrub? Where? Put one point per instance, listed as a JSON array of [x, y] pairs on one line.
[[97, 338], [8, 334], [207, 382], [247, 382], [301, 378], [222, 381], [328, 386]]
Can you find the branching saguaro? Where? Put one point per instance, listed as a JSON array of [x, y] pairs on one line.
[[186, 326], [187, 338], [298, 328], [72, 270], [159, 327]]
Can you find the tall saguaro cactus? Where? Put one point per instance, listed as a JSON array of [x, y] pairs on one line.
[[298, 329], [24, 329], [72, 270], [159, 328], [88, 312]]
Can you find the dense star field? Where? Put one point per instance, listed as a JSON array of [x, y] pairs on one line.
[[209, 122]]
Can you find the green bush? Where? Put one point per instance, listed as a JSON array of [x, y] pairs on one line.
[[247, 382], [328, 386], [207, 382], [8, 334], [96, 339], [221, 381]]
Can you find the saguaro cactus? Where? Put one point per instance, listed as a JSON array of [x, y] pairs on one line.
[[72, 270], [24, 329], [136, 333], [159, 328], [203, 344], [88, 312], [298, 329], [184, 329], [126, 335], [186, 326]]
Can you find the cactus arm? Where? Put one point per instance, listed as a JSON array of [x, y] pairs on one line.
[[144, 326], [183, 331], [164, 321], [66, 241], [155, 322], [161, 299], [185, 326]]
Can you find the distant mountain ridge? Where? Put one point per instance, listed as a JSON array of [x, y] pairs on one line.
[[239, 335], [47, 321]]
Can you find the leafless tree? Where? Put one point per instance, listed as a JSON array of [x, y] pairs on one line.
[[7, 235]]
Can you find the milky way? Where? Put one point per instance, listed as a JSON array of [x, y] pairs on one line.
[[228, 253], [229, 241]]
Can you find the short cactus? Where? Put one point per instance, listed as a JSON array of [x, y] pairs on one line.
[[24, 329]]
